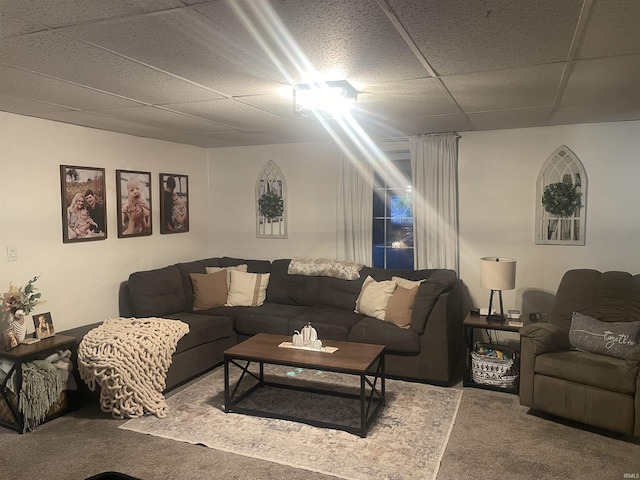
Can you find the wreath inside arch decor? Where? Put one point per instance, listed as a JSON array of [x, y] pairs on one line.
[[270, 205], [561, 199]]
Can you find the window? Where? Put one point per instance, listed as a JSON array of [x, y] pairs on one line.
[[393, 214]]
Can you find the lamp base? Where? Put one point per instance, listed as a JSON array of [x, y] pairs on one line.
[[495, 318]]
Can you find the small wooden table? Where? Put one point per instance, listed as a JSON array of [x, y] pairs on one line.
[[480, 321], [25, 353], [361, 359]]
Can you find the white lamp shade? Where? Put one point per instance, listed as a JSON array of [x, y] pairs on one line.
[[498, 273]]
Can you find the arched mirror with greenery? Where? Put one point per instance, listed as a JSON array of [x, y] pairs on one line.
[[271, 212], [561, 200]]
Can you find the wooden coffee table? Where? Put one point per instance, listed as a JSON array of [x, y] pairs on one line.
[[361, 359]]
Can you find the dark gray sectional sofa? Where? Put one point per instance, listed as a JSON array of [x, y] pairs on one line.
[[431, 350]]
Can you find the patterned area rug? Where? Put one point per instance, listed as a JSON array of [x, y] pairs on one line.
[[406, 441]]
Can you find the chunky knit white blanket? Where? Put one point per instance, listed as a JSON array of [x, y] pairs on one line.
[[129, 359]]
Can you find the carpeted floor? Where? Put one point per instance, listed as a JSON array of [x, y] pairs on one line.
[[493, 437], [406, 441]]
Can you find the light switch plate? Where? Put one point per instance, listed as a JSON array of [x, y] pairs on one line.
[[12, 253]]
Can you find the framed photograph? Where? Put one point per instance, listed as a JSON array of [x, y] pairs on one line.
[[134, 203], [174, 205], [8, 340], [43, 325], [83, 204]]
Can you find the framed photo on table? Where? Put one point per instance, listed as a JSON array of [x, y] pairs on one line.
[[134, 203], [43, 324], [83, 204], [174, 204]]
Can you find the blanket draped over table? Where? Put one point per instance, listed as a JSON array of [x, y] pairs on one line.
[[41, 387], [129, 359]]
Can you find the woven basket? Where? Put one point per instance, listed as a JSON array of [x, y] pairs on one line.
[[5, 412], [490, 370]]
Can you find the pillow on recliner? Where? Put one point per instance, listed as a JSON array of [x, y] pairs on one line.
[[615, 339]]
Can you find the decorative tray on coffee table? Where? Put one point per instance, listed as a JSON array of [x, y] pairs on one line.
[[321, 350]]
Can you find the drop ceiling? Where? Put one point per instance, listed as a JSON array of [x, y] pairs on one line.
[[212, 73]]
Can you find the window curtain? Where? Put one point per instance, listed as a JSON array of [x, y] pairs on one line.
[[434, 171], [355, 207]]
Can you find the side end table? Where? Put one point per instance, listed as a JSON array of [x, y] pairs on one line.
[[25, 353], [470, 324]]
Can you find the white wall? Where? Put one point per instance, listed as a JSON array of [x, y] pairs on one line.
[[497, 175], [79, 281], [497, 179], [310, 171]]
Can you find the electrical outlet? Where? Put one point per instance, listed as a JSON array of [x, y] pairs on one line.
[[12, 253]]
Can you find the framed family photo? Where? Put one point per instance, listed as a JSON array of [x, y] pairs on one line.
[[8, 340], [134, 203], [174, 205], [83, 204], [43, 324]]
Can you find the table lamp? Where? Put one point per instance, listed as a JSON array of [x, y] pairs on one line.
[[497, 274]]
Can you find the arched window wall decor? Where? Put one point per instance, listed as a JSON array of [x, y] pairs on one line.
[[271, 204], [561, 200]]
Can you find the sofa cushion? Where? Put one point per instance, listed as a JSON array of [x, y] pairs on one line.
[[209, 289], [583, 368], [374, 297], [616, 339], [157, 293], [339, 293], [291, 289], [331, 323], [398, 340], [202, 329], [254, 266], [324, 267], [400, 306], [187, 268], [267, 318], [428, 292], [247, 289]]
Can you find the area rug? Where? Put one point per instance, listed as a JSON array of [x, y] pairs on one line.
[[406, 441]]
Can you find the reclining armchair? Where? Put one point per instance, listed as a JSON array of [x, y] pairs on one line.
[[584, 365]]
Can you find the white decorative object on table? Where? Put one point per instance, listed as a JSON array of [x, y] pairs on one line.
[[19, 325], [309, 334]]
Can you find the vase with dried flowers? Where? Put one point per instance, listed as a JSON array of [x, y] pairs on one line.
[[18, 302]]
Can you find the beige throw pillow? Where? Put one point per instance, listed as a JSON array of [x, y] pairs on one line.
[[209, 289], [240, 268], [374, 297], [247, 289], [408, 284], [400, 306]]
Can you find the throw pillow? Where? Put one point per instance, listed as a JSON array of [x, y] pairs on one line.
[[240, 268], [209, 290], [408, 284], [374, 297], [400, 306], [616, 339], [247, 289]]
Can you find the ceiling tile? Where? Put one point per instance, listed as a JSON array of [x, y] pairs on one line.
[[230, 112], [595, 113], [189, 45], [10, 26], [410, 98], [613, 28], [274, 103], [25, 106], [531, 117], [506, 89], [30, 85], [352, 36], [600, 80], [56, 13], [160, 118], [74, 61], [459, 36], [398, 127]]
